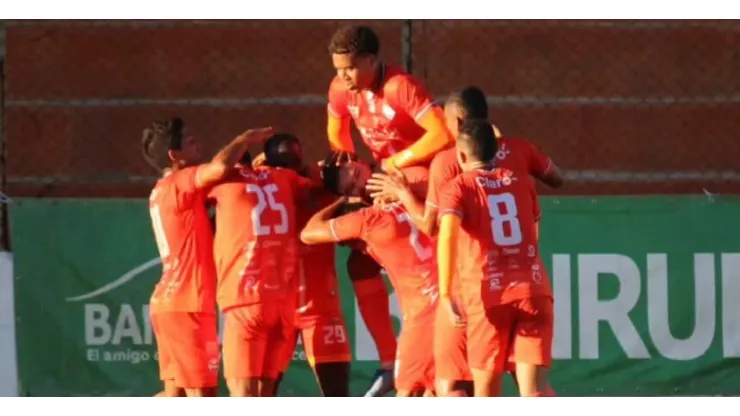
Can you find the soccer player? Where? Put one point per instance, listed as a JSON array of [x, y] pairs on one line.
[[319, 318], [401, 126], [183, 305], [407, 255], [488, 240], [515, 154], [256, 253]]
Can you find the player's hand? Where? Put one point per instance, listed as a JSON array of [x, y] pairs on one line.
[[259, 160], [257, 136], [453, 312], [388, 187]]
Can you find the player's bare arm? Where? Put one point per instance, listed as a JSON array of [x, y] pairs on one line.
[[449, 228], [396, 187], [318, 228], [215, 170], [436, 138]]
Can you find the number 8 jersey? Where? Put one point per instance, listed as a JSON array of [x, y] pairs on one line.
[[256, 244], [497, 243]]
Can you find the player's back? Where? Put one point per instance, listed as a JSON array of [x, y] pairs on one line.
[[185, 244], [256, 243], [407, 255], [318, 289], [498, 242]]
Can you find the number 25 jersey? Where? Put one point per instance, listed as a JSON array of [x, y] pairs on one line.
[[256, 246], [497, 244]]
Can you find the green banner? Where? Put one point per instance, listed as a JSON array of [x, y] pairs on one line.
[[646, 298]]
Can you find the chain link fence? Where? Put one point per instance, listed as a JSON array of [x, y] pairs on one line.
[[624, 107]]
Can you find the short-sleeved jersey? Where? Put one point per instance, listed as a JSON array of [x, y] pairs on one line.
[[185, 243], [518, 155], [406, 254], [318, 292], [256, 246], [497, 243], [387, 116]]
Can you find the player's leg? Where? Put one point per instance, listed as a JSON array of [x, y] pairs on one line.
[[244, 348], [164, 358], [280, 319], [450, 357], [285, 360], [415, 358], [192, 340], [488, 340], [326, 343], [532, 345], [373, 303]]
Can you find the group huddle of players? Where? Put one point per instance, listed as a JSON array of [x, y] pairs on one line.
[[447, 208]]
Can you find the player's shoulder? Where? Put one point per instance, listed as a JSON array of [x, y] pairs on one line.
[[336, 86], [515, 143], [443, 160], [396, 77]]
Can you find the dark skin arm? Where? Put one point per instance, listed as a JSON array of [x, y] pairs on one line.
[[317, 229], [395, 187], [215, 170]]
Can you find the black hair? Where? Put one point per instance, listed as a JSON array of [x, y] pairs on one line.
[[354, 40], [246, 159], [479, 139], [161, 137], [471, 100], [272, 148]]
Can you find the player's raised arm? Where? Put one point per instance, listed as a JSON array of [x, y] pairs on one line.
[[413, 98], [321, 228], [396, 187], [215, 170]]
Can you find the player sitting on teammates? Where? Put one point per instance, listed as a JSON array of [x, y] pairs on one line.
[[407, 255], [401, 126], [319, 318], [488, 240], [516, 154], [183, 305], [256, 249]]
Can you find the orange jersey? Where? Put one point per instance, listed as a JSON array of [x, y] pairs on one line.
[[387, 116], [518, 155], [318, 291], [497, 243], [185, 242], [256, 245], [406, 254]]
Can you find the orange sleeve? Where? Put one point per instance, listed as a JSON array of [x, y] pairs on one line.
[[436, 138], [449, 228], [338, 119], [350, 226], [539, 163]]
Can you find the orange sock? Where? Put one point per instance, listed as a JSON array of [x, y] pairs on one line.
[[372, 300]]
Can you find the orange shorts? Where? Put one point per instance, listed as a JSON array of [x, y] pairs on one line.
[[255, 337], [415, 354], [520, 331], [187, 348], [325, 340], [450, 349]]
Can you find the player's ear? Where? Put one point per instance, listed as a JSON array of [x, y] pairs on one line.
[[172, 155]]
